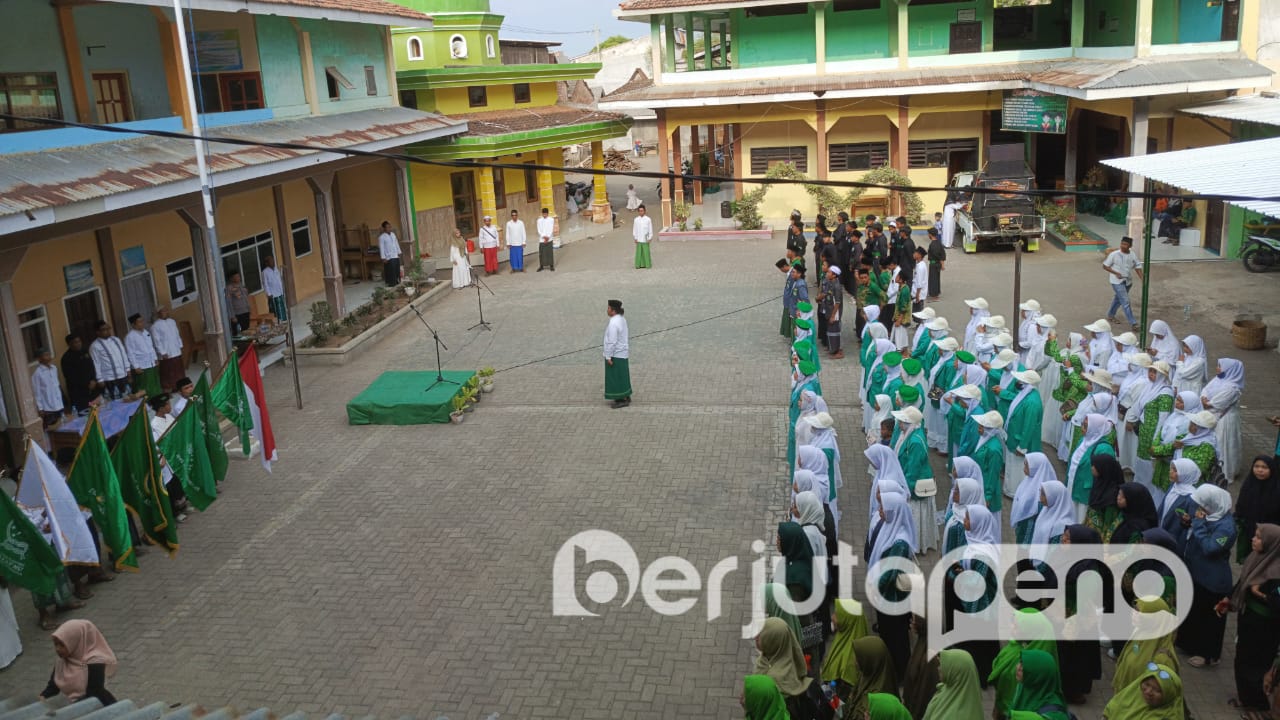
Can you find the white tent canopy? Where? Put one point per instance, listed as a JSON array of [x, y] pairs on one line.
[[1249, 169]]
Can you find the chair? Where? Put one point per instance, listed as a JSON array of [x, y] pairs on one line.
[[190, 346]]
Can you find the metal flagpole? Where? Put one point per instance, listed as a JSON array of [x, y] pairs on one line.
[[206, 185], [1146, 261]]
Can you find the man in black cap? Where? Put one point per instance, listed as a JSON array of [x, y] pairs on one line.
[[617, 375]]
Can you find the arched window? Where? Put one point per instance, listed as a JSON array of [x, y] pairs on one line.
[[415, 48], [457, 47], [490, 47]]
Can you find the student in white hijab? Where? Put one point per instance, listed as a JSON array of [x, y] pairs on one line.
[[1096, 429], [881, 406], [1135, 381], [935, 418], [1098, 353], [1101, 400], [808, 513], [1191, 371], [1215, 501], [814, 460], [962, 467], [883, 464], [1052, 426], [1221, 396], [1020, 428], [1124, 344], [1201, 431], [1055, 515], [984, 340], [1146, 418], [1177, 423], [1037, 470], [982, 533], [882, 348], [1164, 344], [824, 438], [868, 354], [913, 457], [978, 311], [965, 491], [893, 524], [808, 481], [1029, 310], [1034, 355], [1178, 503], [811, 403], [918, 342]]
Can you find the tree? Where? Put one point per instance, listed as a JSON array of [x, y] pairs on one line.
[[610, 42]]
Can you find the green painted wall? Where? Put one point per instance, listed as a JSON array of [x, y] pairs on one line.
[[39, 47], [1236, 217], [929, 27], [1109, 23], [1050, 27], [281, 61], [777, 40], [349, 47], [474, 29], [861, 34], [1197, 22]]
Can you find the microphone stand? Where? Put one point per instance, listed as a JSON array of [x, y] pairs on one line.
[[439, 373], [478, 283]]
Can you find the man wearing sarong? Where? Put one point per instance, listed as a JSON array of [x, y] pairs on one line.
[[489, 245], [617, 376]]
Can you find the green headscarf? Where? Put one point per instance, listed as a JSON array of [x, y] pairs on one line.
[[876, 673], [762, 700], [781, 659], [886, 707], [1133, 659], [799, 556], [772, 608], [1041, 685], [851, 624], [1004, 668], [959, 693], [1129, 704]]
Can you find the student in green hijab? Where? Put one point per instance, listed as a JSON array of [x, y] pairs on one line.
[[1155, 695], [761, 699], [798, 554], [876, 674], [841, 666], [1004, 668], [774, 595], [782, 660], [959, 694], [1133, 658], [1039, 695], [882, 706]]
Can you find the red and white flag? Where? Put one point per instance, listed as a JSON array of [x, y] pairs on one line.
[[251, 376]]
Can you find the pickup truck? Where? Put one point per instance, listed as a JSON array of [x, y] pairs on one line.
[[997, 218]]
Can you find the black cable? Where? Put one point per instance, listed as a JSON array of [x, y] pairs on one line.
[[353, 152]]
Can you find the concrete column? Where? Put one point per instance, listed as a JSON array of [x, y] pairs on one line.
[[820, 36], [330, 254], [669, 49], [689, 65], [75, 66], [724, 46], [664, 160], [1077, 23], [903, 134], [22, 418], [676, 164], [284, 257], [175, 79], [1069, 160], [546, 185], [601, 212], [1142, 30], [695, 161], [820, 129], [408, 213], [212, 303], [488, 195], [111, 279], [655, 48], [738, 171], [1139, 129], [904, 36]]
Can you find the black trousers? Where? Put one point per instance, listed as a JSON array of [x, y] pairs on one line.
[[1256, 646], [241, 321], [177, 498], [935, 280], [391, 271], [822, 327], [895, 630], [1201, 633]]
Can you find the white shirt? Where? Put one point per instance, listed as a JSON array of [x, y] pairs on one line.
[[179, 404], [546, 228], [48, 391], [515, 233], [615, 337], [388, 247], [109, 358], [920, 280], [488, 236], [1122, 263], [160, 424], [642, 229], [165, 335], [142, 351], [274, 286]]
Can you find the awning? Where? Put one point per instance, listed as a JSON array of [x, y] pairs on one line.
[[1241, 169], [1263, 109]]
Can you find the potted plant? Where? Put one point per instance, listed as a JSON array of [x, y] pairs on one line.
[[697, 224], [680, 213], [459, 404], [468, 399], [486, 379], [472, 386]]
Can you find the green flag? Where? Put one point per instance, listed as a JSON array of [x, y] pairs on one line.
[[230, 399], [141, 487], [94, 483], [183, 447], [212, 435], [26, 558]]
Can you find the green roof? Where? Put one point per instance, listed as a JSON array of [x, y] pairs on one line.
[[462, 147], [449, 77]]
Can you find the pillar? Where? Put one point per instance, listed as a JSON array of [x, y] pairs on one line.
[[689, 65], [904, 36], [1137, 183], [1070, 160], [695, 161], [903, 134], [546, 184], [669, 49], [820, 36], [676, 164], [408, 214], [111, 279], [284, 257], [664, 160], [75, 67], [1142, 29], [22, 418], [1077, 23], [655, 48], [820, 128], [724, 45], [175, 79], [327, 227], [738, 171], [488, 196], [309, 69], [601, 212], [209, 294]]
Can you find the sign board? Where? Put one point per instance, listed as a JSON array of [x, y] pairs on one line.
[[1020, 3], [1030, 111], [216, 51]]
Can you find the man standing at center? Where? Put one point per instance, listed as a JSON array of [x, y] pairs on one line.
[[642, 233], [515, 241], [111, 362], [1121, 265], [617, 375], [546, 249], [489, 245], [389, 249]]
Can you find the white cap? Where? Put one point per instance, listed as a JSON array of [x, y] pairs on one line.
[[926, 314], [820, 420], [1161, 367], [993, 321], [1100, 376], [1047, 321], [909, 414], [1030, 305], [938, 324], [989, 419], [1140, 359], [967, 391], [948, 344], [1126, 338], [1205, 419], [1004, 340], [1002, 360], [978, 303], [1030, 377], [1100, 326]]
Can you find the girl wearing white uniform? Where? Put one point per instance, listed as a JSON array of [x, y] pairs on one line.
[[1222, 397], [978, 311], [1100, 343], [1135, 381], [1192, 370], [458, 257]]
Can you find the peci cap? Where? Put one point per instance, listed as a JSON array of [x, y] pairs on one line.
[[908, 393], [965, 356], [911, 366], [893, 359]]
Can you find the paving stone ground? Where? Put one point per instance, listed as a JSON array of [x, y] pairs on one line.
[[407, 570]]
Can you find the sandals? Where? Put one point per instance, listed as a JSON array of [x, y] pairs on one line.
[[1256, 715]]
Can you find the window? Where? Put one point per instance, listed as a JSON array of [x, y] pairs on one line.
[[181, 276], [334, 79], [33, 95], [477, 96], [763, 158], [937, 153], [301, 232], [844, 5], [245, 257], [409, 99], [34, 324], [458, 47], [414, 48], [370, 80], [521, 92], [499, 189], [226, 92], [858, 156], [490, 47], [531, 185], [331, 85], [777, 10]]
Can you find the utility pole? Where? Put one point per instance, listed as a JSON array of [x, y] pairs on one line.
[[595, 32]]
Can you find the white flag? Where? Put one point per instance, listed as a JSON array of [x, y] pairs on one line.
[[256, 430], [42, 486]]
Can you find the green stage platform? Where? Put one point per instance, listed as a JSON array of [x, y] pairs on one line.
[[399, 397]]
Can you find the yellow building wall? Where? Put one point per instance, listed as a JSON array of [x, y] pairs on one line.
[[432, 189], [308, 270], [368, 195], [451, 101], [40, 282], [164, 238], [941, 126], [781, 199]]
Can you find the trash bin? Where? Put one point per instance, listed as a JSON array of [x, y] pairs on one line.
[[726, 209]]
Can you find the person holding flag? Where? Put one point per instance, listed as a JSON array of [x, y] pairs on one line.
[[96, 487]]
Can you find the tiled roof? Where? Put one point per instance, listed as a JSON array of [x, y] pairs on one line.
[[502, 122], [373, 7], [637, 81]]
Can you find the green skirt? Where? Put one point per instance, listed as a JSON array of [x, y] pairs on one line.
[[148, 381], [642, 255], [784, 329], [617, 379]]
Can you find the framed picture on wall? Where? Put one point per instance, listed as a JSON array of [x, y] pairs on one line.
[[78, 276], [132, 260]]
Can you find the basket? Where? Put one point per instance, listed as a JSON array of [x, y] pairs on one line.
[[1249, 334]]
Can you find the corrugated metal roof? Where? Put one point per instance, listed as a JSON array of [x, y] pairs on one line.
[[52, 178], [1201, 69], [1263, 109], [1242, 169]]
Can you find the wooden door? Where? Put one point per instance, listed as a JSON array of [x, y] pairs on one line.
[[966, 37], [1213, 227], [240, 91], [464, 202], [111, 97], [1230, 20], [84, 311]]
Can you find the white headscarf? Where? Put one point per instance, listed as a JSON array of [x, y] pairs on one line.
[[811, 403], [1026, 498], [1194, 367], [986, 435], [887, 470], [882, 407], [982, 538], [1215, 501], [898, 524], [971, 493], [1116, 364], [1224, 389], [1177, 422], [1102, 402], [944, 357], [1188, 476], [883, 347], [1154, 389], [809, 509], [814, 460], [1164, 342], [1100, 347], [809, 481], [1054, 517], [1099, 427], [1022, 393], [1201, 436], [873, 314], [977, 315]]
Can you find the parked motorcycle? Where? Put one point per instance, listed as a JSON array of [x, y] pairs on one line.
[[1261, 253]]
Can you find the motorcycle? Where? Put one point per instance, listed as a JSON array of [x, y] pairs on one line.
[[1261, 253]]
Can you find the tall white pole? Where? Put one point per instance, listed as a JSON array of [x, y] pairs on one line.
[[206, 185]]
